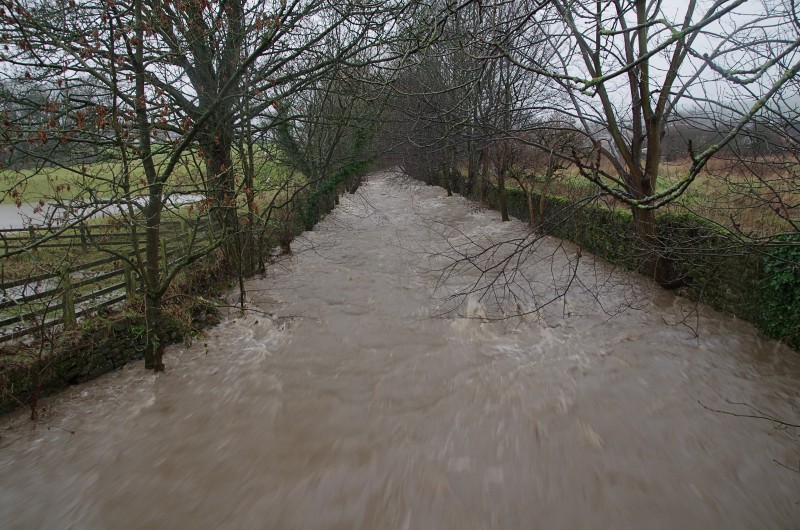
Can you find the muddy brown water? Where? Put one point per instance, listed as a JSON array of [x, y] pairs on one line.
[[350, 396]]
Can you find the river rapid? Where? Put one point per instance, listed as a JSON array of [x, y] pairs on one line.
[[358, 393]]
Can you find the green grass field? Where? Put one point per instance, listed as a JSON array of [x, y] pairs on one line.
[[64, 183], [104, 179], [59, 183]]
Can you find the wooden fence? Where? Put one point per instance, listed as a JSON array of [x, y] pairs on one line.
[[29, 304]]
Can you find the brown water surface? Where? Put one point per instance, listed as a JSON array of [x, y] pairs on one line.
[[349, 397]]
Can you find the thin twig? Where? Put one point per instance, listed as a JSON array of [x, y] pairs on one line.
[[759, 416], [787, 467]]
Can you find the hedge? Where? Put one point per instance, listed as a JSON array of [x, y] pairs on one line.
[[754, 282]]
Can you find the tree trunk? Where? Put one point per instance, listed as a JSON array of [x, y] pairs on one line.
[[455, 173], [658, 266], [154, 349], [484, 180], [502, 170], [548, 179], [153, 357], [217, 148], [219, 174], [249, 175], [155, 344], [542, 202], [472, 170], [531, 213], [501, 195], [446, 176]]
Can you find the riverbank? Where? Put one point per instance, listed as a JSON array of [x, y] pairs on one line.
[[758, 283], [113, 337], [108, 340]]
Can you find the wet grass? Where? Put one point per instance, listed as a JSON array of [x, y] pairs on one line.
[[54, 183], [102, 179], [754, 197]]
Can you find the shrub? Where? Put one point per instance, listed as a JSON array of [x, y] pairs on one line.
[[780, 292]]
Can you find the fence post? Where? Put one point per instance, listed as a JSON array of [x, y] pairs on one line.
[[34, 247], [130, 286], [184, 229], [68, 297], [164, 252], [83, 238]]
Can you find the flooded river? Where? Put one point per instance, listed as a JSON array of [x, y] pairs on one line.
[[356, 394]]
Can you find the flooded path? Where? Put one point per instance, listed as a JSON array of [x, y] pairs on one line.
[[351, 397]]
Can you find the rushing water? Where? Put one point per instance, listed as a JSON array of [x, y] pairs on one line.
[[354, 394]]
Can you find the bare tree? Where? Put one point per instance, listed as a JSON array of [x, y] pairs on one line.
[[540, 164], [151, 86], [630, 67]]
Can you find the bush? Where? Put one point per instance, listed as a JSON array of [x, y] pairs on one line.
[[780, 292]]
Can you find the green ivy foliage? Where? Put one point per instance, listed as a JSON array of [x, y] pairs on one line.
[[780, 292], [322, 199]]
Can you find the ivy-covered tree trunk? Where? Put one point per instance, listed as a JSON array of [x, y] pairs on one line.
[[484, 180], [502, 171], [472, 169], [217, 145], [655, 261]]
